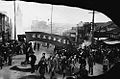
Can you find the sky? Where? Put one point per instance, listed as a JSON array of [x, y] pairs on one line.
[[61, 14]]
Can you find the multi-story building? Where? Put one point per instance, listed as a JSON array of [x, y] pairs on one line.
[[102, 30], [5, 27], [108, 30], [76, 34]]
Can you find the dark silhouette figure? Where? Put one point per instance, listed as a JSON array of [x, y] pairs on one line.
[[10, 57], [29, 51], [90, 63], [83, 62], [43, 56], [82, 73], [32, 62], [38, 46], [42, 68], [1, 62], [35, 46]]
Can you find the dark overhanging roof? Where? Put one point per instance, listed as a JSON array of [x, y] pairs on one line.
[[107, 7]]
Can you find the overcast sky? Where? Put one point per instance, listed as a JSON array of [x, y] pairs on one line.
[[61, 14]]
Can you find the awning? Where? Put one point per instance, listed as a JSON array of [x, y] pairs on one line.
[[112, 42]]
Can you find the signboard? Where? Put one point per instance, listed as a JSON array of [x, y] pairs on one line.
[[21, 38], [101, 34], [49, 38], [107, 35]]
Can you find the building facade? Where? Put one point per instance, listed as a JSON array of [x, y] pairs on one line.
[[77, 34], [5, 28]]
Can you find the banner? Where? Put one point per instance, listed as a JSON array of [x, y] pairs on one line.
[[49, 38]]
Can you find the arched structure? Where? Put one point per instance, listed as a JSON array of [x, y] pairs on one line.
[[57, 40]]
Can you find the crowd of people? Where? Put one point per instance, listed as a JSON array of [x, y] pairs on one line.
[[64, 61], [7, 51], [73, 61]]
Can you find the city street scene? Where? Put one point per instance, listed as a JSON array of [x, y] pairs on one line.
[[45, 41]]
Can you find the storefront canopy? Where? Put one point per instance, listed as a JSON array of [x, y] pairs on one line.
[[112, 42], [107, 7]]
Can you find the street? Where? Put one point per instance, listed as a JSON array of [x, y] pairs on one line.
[[8, 73]]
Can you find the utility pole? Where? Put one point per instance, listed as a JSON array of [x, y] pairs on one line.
[[51, 17], [93, 26], [14, 19], [76, 39]]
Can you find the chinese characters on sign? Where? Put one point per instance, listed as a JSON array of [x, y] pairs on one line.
[[40, 36]]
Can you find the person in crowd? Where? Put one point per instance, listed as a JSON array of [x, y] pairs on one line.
[[43, 56], [18, 49], [82, 73], [38, 46], [90, 64], [53, 67], [35, 46], [5, 57], [29, 51], [82, 62], [25, 49], [105, 64], [32, 62], [1, 62], [72, 64], [48, 62], [57, 62], [10, 57], [42, 68], [64, 65]]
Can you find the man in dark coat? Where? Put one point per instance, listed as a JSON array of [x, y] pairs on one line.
[[1, 61], [82, 62], [35, 46], [29, 51], [38, 46], [42, 68], [10, 57], [32, 62], [90, 63]]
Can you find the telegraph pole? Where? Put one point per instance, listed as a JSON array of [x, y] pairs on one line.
[[14, 19], [93, 26], [51, 17]]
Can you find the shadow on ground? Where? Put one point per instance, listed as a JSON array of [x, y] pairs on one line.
[[113, 73], [20, 69], [30, 77]]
